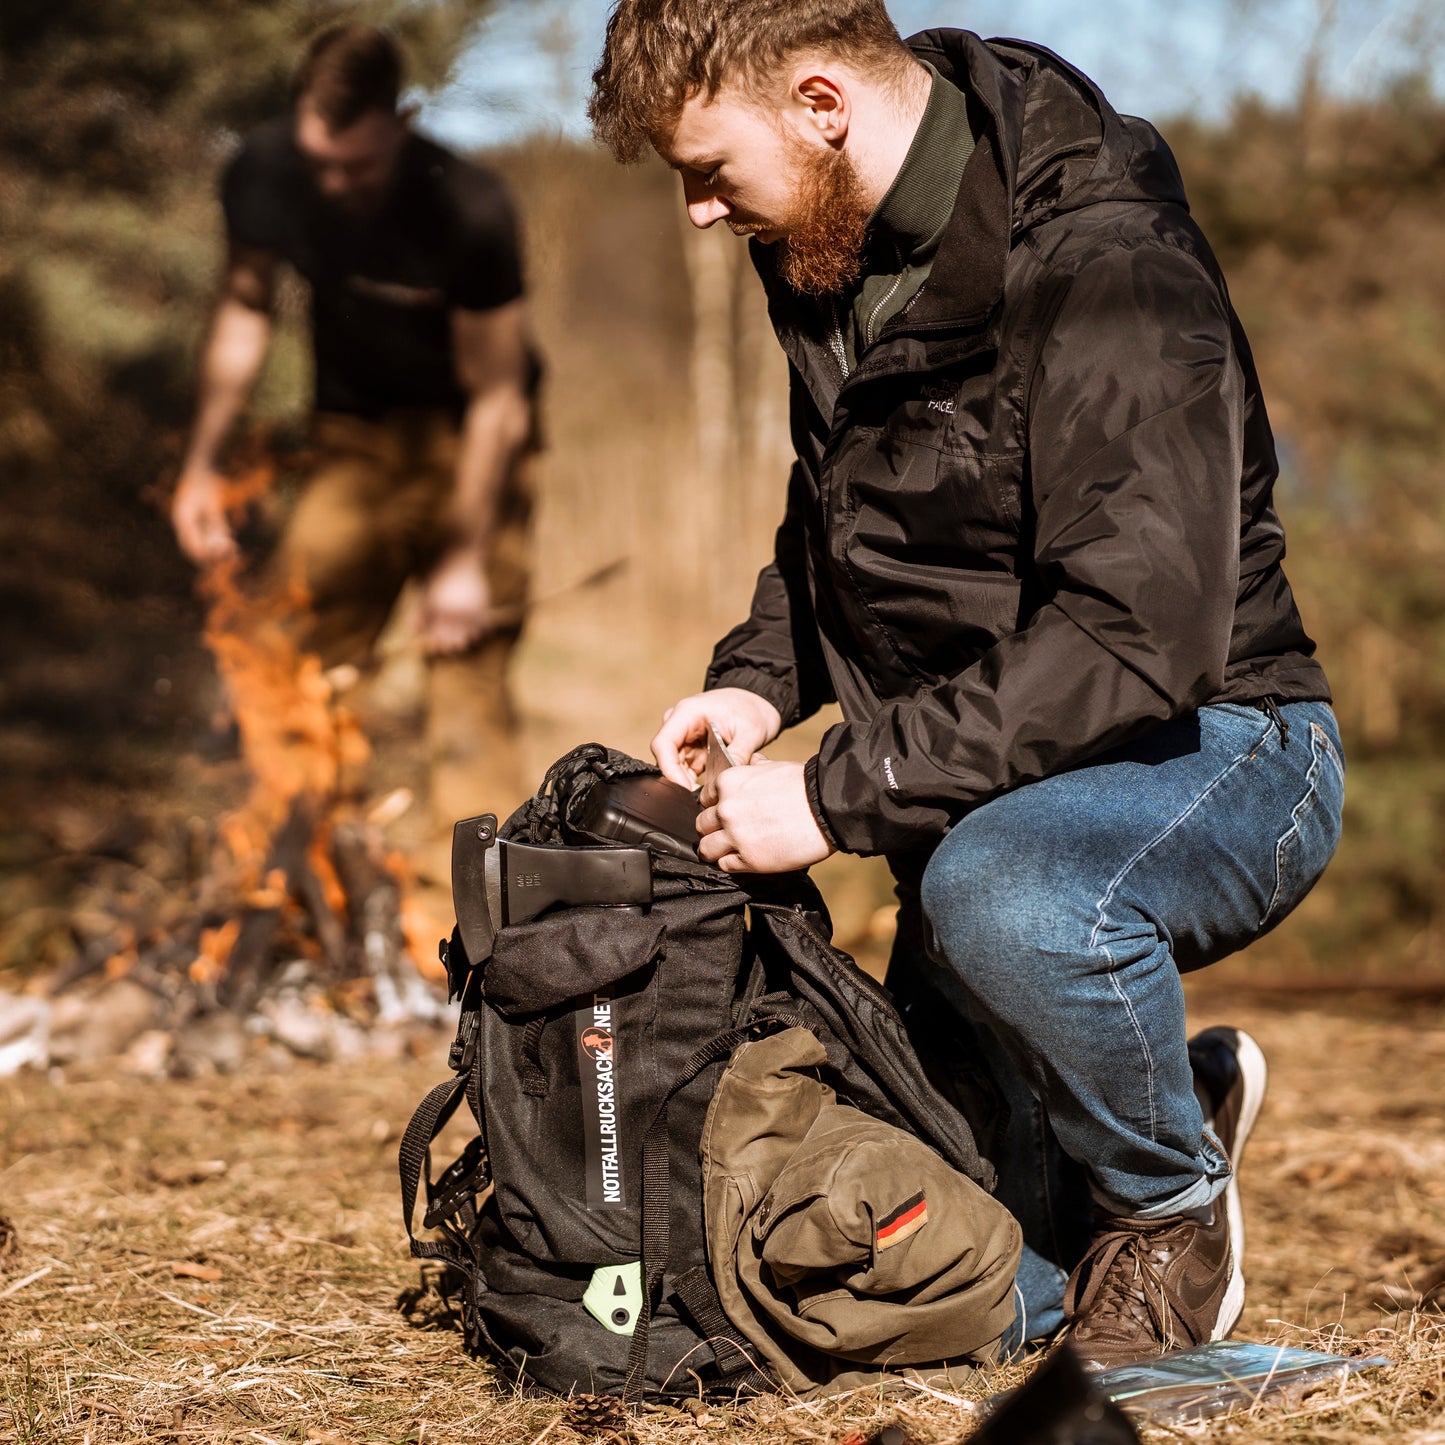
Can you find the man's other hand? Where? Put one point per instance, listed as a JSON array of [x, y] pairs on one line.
[[198, 513], [456, 604], [762, 822], [744, 721]]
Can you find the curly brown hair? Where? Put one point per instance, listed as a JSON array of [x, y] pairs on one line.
[[660, 53]]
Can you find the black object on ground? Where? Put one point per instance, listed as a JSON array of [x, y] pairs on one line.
[[1058, 1405]]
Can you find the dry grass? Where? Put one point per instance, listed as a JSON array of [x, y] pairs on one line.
[[220, 1260]]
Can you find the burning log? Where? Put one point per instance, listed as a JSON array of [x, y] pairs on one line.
[[379, 927], [251, 960]]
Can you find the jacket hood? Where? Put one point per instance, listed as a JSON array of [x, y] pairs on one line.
[[1062, 146]]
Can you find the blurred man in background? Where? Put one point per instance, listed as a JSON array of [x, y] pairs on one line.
[[425, 393], [1030, 549]]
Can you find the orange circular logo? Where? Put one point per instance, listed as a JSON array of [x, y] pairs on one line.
[[597, 1043]]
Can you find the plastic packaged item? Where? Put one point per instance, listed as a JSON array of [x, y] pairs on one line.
[[1224, 1375], [647, 810]]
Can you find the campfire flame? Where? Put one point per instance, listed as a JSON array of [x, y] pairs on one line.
[[303, 748]]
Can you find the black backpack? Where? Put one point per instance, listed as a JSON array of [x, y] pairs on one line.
[[589, 1046]]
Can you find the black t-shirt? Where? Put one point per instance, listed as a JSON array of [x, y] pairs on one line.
[[382, 286]]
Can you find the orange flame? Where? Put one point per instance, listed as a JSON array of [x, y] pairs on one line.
[[209, 965], [294, 735], [296, 738]]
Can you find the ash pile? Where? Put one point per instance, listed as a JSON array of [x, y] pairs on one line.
[[156, 956]]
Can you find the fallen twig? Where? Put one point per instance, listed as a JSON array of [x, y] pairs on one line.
[[21, 1283]]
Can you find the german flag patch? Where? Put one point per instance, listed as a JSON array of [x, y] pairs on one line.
[[908, 1218]]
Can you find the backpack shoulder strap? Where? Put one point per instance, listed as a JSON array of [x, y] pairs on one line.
[[413, 1160], [657, 1197]]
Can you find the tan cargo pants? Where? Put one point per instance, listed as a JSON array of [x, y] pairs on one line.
[[373, 516]]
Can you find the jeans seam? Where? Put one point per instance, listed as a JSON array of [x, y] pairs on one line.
[[1143, 1048], [1297, 814], [1101, 907], [1327, 749]]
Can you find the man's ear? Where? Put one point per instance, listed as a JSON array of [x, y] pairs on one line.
[[826, 102]]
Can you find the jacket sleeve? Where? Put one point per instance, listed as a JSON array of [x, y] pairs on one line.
[[776, 652], [1134, 456]]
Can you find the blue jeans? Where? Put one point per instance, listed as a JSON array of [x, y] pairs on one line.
[[1058, 919]]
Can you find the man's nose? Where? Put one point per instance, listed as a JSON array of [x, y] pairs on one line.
[[706, 211], [704, 205]]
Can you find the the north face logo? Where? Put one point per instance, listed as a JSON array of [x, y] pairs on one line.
[[940, 398]]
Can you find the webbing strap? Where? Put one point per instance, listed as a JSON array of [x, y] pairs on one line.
[[474, 1089], [657, 1190], [730, 1347], [412, 1159]]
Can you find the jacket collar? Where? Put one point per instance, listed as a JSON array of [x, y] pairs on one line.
[[966, 281], [1047, 142]]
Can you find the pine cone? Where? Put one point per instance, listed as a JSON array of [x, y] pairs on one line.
[[597, 1415]]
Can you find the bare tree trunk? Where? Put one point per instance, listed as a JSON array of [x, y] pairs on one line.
[[767, 442], [712, 263]]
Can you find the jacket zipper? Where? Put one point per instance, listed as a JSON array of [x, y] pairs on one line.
[[835, 341], [887, 297], [840, 351]]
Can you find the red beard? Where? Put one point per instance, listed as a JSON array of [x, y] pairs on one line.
[[823, 238]]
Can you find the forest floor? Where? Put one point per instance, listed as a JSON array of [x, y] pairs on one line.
[[221, 1260]]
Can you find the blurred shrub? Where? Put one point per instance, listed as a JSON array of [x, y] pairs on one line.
[[1330, 222]]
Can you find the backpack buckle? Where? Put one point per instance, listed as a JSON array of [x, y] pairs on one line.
[[463, 1052], [458, 1184]]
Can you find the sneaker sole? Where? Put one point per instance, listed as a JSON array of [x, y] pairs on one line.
[[1255, 1074]]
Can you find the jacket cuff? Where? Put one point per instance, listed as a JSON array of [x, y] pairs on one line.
[[815, 802], [768, 687]]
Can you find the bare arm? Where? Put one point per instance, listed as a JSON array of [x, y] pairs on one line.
[[492, 360], [235, 350]]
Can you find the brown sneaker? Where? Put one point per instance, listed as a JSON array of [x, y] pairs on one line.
[[1147, 1286], [1230, 1076]]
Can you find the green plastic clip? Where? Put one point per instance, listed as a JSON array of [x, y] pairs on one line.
[[614, 1296]]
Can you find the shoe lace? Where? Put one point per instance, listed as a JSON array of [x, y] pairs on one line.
[[1122, 1283]]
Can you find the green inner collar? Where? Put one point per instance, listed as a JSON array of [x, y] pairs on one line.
[[921, 199]]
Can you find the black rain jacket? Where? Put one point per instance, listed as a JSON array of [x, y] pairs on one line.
[[1036, 519]]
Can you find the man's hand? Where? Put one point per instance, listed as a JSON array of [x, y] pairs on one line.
[[762, 822], [235, 349], [456, 604], [198, 514], [744, 721]]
